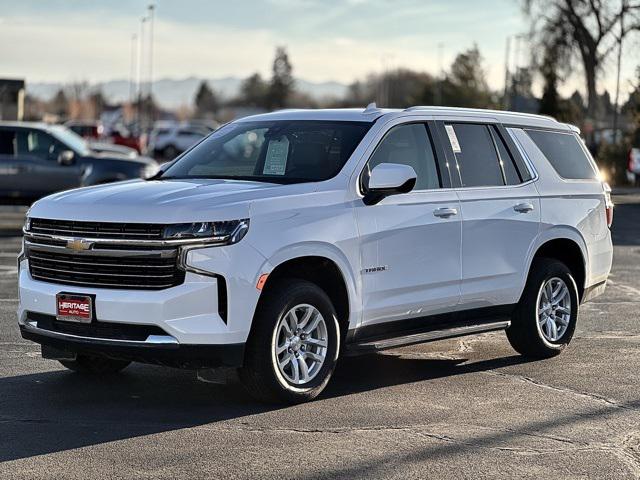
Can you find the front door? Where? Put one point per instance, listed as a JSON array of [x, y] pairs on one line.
[[410, 243], [40, 173]]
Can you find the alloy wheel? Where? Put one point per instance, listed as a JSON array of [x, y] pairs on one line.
[[554, 309], [301, 342]]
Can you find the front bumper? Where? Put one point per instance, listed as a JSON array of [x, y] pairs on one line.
[[155, 349], [188, 312]]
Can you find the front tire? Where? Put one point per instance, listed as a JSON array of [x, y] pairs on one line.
[[545, 319], [294, 344], [95, 365]]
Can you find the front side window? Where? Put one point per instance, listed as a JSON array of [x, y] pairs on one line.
[[409, 145], [35, 143], [565, 153], [283, 151]]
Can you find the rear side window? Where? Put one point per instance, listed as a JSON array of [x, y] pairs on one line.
[[476, 155], [565, 153]]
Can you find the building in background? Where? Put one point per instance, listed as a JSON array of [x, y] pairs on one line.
[[11, 99]]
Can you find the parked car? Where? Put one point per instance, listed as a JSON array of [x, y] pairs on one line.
[[95, 135], [128, 137], [286, 240], [87, 129], [168, 140], [633, 167], [38, 159]]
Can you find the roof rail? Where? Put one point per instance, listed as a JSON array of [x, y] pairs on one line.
[[479, 110]]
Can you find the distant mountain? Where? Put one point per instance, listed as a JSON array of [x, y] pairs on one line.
[[172, 93]]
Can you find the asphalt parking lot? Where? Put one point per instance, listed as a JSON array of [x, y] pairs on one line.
[[467, 408]]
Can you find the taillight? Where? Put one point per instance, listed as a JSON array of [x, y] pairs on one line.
[[630, 163], [608, 204]]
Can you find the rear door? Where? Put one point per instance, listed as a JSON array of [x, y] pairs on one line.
[[410, 243], [500, 210]]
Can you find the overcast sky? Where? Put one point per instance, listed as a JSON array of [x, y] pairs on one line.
[[69, 40]]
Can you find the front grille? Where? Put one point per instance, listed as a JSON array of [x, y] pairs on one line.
[[104, 265], [125, 231], [95, 329]]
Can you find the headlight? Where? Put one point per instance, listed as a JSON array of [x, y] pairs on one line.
[[226, 232]]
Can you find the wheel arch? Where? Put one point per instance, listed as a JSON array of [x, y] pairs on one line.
[[328, 269], [567, 246]]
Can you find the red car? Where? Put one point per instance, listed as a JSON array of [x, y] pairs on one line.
[[120, 135], [89, 130]]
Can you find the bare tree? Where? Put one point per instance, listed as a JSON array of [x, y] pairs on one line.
[[589, 30]]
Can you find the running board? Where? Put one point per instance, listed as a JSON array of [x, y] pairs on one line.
[[377, 345]]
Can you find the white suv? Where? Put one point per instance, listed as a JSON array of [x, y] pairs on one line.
[[285, 240]]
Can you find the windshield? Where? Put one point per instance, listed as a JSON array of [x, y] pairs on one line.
[[70, 139], [278, 151]]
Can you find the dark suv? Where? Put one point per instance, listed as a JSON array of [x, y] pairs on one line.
[[38, 159]]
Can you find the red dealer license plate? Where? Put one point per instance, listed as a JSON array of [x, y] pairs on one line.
[[74, 308]]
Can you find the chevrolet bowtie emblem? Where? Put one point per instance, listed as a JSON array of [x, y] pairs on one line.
[[79, 244]]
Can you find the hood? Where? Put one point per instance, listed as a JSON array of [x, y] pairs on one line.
[[160, 201]]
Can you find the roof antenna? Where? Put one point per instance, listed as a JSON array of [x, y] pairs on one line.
[[371, 108]]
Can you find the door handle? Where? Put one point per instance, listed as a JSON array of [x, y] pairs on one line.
[[523, 207], [445, 212]]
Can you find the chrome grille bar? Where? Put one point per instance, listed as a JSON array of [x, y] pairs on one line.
[[126, 263]]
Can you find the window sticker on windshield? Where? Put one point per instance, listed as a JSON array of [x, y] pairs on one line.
[[453, 139], [275, 163]]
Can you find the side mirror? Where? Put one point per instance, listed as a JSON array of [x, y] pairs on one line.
[[389, 179], [66, 158]]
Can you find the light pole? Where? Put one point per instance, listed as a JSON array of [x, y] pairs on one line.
[[440, 74], [151, 9], [507, 56], [139, 71], [132, 69]]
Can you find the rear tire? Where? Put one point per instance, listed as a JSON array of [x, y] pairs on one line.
[[293, 346], [95, 365], [543, 324]]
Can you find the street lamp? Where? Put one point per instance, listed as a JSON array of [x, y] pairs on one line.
[[151, 10], [139, 71]]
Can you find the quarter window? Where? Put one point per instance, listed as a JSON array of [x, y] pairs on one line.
[[565, 153], [409, 145]]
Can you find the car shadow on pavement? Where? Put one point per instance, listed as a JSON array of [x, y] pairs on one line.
[[57, 411]]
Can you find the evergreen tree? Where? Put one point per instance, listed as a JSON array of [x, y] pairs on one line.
[[254, 92], [281, 86], [206, 101]]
